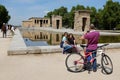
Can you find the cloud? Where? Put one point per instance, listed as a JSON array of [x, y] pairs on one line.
[[46, 11]]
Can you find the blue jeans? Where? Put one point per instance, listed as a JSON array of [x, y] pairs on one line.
[[94, 65], [67, 48]]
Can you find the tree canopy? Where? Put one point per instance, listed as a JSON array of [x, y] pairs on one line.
[[106, 18], [4, 16], [111, 14]]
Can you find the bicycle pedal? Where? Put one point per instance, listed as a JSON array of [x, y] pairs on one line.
[[98, 65], [76, 69]]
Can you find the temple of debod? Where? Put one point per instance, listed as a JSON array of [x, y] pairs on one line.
[[81, 21]]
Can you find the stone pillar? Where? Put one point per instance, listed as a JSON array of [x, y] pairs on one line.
[[56, 38], [56, 22], [82, 20], [45, 22]]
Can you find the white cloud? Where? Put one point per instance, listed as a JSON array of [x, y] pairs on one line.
[[46, 11]]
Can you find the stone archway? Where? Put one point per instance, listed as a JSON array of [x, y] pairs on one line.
[[82, 20], [56, 21]]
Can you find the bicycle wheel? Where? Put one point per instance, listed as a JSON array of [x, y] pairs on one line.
[[74, 62], [107, 65]]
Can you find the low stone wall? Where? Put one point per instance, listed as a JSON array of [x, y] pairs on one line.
[[19, 47], [44, 49]]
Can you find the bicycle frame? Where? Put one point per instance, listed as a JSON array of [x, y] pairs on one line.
[[86, 54]]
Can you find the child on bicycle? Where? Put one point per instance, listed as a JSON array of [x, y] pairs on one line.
[[92, 38]]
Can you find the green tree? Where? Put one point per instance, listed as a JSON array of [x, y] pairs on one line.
[[100, 20], [71, 17], [71, 14], [62, 11], [106, 18], [111, 14], [93, 16], [49, 14], [4, 17], [118, 27], [80, 7]]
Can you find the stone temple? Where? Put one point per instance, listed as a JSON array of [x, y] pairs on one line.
[[81, 21], [55, 21]]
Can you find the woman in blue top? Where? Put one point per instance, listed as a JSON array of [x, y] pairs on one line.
[[66, 46]]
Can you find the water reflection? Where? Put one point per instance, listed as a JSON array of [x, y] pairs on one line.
[[38, 38], [45, 38], [35, 43]]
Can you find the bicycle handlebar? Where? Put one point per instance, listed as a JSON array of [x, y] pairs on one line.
[[103, 45]]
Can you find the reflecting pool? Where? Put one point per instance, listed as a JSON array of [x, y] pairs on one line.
[[29, 42], [45, 38]]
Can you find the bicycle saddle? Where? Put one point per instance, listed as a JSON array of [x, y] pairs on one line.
[[83, 45]]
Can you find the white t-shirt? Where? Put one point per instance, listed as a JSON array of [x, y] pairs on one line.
[[12, 28]]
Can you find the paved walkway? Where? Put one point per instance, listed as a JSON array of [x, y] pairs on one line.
[[47, 66]]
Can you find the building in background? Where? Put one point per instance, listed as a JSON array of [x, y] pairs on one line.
[[55, 22], [81, 21], [36, 22]]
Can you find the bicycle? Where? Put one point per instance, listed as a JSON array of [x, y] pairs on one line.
[[76, 62]]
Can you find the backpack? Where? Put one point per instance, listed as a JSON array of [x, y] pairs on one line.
[[61, 44]]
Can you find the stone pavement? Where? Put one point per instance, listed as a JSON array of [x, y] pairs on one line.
[[47, 66]]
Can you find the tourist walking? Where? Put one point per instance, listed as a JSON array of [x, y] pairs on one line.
[[12, 30], [4, 30]]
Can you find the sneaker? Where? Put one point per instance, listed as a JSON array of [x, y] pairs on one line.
[[94, 70]]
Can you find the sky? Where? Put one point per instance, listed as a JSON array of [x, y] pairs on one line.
[[21, 10]]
